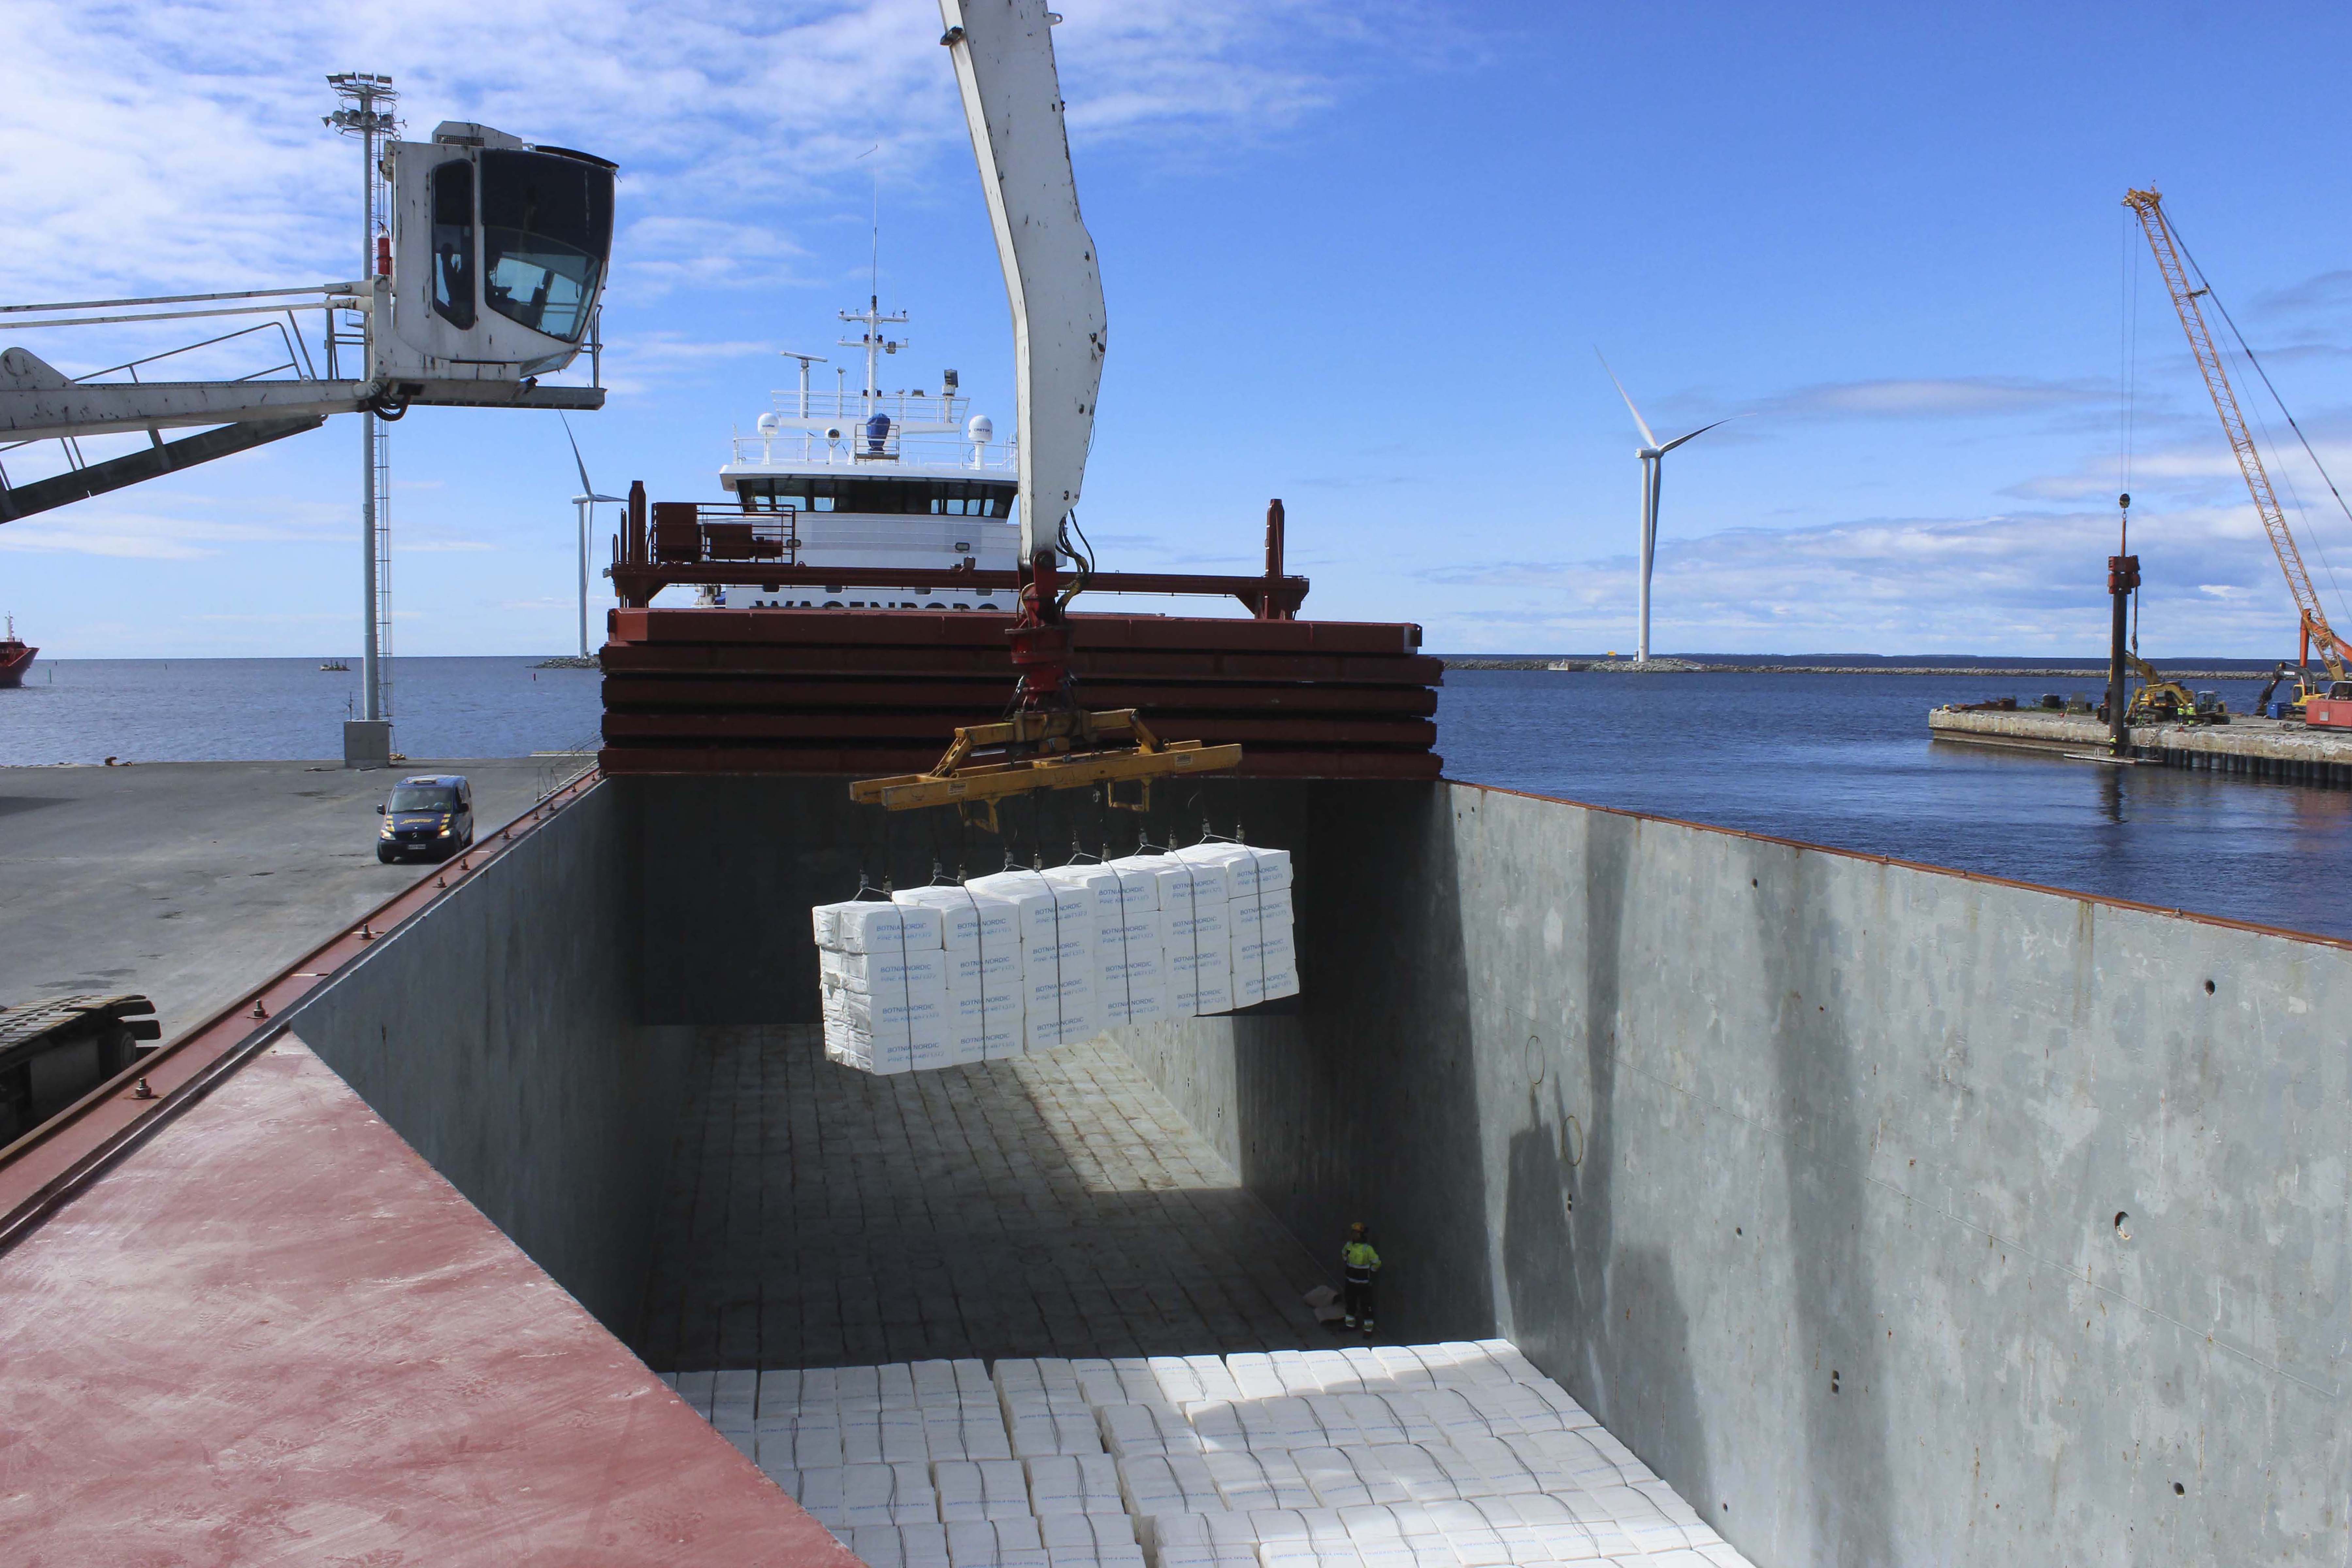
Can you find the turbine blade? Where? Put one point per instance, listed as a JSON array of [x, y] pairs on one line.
[[1697, 433], [586, 486], [1639, 423]]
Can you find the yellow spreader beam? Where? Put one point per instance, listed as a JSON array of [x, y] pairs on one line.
[[1030, 751]]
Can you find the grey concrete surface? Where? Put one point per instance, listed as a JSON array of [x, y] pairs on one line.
[[1803, 1171], [1052, 1204], [496, 1034], [193, 882]]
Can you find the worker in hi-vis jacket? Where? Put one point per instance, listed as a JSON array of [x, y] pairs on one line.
[[1359, 1265]]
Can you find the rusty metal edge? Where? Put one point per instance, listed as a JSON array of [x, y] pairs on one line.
[[201, 1057]]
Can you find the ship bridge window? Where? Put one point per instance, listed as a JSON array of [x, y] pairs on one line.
[[453, 243], [922, 497], [546, 229]]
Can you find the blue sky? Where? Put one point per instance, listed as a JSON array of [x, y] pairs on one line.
[[1357, 256]]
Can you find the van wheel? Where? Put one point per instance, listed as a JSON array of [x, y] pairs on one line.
[[385, 856]]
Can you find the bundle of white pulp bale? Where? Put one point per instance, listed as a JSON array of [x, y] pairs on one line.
[[882, 971], [1130, 941], [1031, 961], [1059, 967], [1227, 917], [1198, 943], [1265, 951], [985, 997]]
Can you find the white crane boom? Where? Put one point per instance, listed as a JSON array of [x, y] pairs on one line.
[[1013, 101]]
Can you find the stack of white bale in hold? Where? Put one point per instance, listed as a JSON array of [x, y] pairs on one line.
[[882, 971], [1191, 899], [1046, 1409], [1451, 1455], [1257, 915], [1059, 969], [981, 935]]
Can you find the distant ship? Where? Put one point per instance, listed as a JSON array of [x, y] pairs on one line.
[[334, 664], [15, 656]]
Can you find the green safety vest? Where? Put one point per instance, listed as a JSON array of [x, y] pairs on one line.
[[1359, 1260]]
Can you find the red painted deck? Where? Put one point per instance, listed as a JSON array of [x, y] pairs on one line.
[[272, 1334]]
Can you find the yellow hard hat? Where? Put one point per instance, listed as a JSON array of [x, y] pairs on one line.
[[1358, 1226]]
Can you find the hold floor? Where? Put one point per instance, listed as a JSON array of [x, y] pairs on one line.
[[1047, 1205]]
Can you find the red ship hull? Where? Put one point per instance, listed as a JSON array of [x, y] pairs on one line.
[[16, 658]]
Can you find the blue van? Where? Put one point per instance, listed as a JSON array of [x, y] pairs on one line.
[[431, 815]]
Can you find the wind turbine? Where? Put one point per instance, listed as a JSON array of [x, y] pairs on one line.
[[586, 501], [1652, 454]]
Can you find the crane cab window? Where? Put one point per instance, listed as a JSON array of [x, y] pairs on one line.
[[453, 243], [547, 229]]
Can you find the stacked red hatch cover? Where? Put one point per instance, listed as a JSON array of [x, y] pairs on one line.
[[879, 691]]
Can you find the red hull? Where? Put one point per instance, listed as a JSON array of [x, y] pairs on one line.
[[16, 658]]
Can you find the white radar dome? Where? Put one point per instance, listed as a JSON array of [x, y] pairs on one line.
[[981, 429], [769, 423]]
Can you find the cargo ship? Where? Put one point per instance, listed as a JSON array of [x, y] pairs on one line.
[[15, 656], [1739, 1200]]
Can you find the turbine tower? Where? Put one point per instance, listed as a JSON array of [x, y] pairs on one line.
[[1653, 453], [586, 501]]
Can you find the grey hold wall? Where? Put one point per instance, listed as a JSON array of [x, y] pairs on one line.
[[1804, 1170], [498, 1034]]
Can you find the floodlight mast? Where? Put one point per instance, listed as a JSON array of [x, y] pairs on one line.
[[367, 114]]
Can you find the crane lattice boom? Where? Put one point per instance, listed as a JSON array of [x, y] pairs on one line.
[[2149, 206]]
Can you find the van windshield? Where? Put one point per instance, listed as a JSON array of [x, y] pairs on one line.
[[423, 797]]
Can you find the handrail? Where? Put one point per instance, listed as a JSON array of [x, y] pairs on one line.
[[166, 316], [132, 366], [187, 299]]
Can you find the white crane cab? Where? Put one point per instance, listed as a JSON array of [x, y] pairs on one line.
[[499, 254]]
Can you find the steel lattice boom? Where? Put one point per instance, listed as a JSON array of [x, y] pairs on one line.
[[2149, 206]]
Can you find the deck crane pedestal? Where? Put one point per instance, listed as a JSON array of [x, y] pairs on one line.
[[1003, 52]]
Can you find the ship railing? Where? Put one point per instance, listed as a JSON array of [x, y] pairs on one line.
[[855, 449], [848, 408], [693, 534]]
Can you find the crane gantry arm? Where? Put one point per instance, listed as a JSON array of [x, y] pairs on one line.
[[2149, 206]]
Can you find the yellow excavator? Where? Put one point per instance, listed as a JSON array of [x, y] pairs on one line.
[[2162, 701]]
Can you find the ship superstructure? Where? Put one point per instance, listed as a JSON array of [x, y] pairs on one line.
[[869, 479], [15, 656]]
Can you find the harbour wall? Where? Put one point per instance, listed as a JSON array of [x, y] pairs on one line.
[[498, 1034], [2258, 748]]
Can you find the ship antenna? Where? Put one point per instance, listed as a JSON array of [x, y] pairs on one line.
[[874, 281]]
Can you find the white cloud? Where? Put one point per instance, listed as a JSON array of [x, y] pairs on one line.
[[99, 528], [2003, 584], [1936, 397], [177, 145]]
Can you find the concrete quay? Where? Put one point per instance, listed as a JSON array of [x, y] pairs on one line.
[[193, 882], [2259, 748]]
